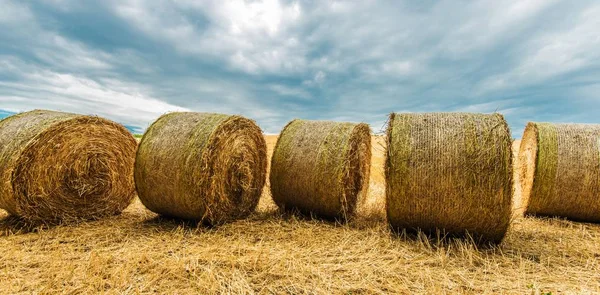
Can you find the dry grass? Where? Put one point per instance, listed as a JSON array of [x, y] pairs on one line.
[[270, 253]]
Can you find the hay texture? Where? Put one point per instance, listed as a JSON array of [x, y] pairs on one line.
[[321, 167], [560, 170], [450, 173], [201, 166], [64, 167]]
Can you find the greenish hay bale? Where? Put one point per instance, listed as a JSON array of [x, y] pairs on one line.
[[450, 172], [321, 167], [201, 166], [560, 170], [64, 167]]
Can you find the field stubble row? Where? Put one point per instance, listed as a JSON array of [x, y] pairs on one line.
[[271, 252]]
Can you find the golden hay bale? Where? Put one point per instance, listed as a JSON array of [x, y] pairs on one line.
[[201, 166], [65, 167], [560, 170], [450, 172], [321, 167]]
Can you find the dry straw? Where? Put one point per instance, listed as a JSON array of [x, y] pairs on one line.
[[450, 172], [201, 166], [560, 170], [321, 167], [64, 167]]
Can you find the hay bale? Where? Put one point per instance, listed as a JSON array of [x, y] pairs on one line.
[[321, 167], [560, 170], [450, 172], [64, 167], [201, 166]]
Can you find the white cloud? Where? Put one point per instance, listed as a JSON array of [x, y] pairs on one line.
[[552, 54], [296, 92], [401, 68], [39, 88], [320, 77], [486, 22], [274, 60], [255, 17], [12, 12], [251, 36], [61, 52]]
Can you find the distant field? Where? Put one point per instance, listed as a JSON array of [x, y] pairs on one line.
[[139, 253]]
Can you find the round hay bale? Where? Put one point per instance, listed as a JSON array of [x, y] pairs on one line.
[[321, 167], [201, 166], [65, 167], [560, 170], [450, 172]]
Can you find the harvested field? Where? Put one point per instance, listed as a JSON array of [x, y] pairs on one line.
[[138, 253]]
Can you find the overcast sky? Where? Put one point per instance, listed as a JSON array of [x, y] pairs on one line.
[[272, 61]]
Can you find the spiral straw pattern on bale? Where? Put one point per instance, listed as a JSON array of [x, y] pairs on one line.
[[321, 167], [202, 166], [64, 167], [560, 170], [450, 172]]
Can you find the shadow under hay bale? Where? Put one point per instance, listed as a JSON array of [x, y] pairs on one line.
[[450, 173], [167, 223], [15, 225], [321, 168], [440, 239], [200, 166], [61, 167], [560, 170]]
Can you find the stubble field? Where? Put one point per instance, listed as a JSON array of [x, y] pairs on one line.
[[140, 253]]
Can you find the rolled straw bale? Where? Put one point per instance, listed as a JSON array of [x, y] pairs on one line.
[[64, 167], [450, 172], [201, 166], [321, 167], [560, 170]]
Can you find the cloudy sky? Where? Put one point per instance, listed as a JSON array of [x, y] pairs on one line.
[[275, 60]]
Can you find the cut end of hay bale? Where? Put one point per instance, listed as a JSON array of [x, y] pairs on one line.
[[527, 159], [201, 166], [450, 172], [321, 167], [560, 170], [65, 167]]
